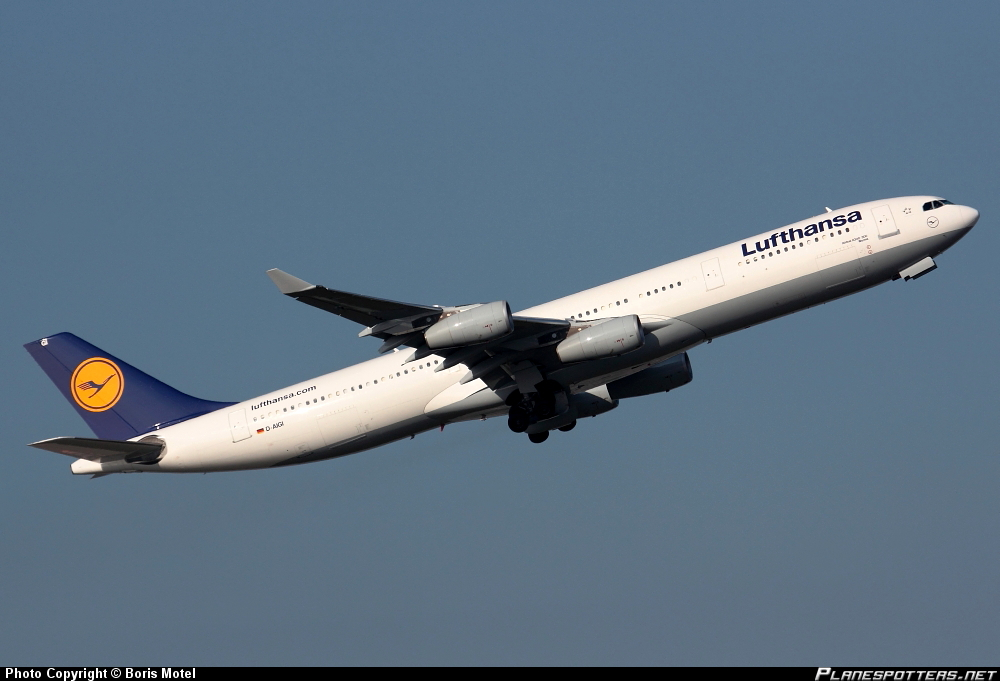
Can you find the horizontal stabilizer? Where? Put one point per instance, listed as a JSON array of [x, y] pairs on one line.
[[102, 451]]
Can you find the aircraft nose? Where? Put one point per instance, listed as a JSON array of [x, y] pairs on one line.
[[971, 217]]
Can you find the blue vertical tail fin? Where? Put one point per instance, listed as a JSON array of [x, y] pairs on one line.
[[116, 400]]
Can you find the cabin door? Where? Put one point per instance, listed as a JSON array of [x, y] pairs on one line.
[[883, 220], [238, 425], [712, 272]]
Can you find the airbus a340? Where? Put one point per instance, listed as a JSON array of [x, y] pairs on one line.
[[544, 368]]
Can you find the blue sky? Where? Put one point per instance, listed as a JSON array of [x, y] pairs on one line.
[[823, 492]]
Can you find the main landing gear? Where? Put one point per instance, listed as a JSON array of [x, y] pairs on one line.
[[529, 409]]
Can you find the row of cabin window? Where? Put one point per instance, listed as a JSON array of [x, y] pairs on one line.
[[619, 302], [322, 398], [803, 243], [390, 377]]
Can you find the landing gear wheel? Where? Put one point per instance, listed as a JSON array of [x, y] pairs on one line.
[[539, 438], [518, 420], [568, 427]]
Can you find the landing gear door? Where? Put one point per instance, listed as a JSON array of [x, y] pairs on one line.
[[238, 425], [712, 273], [883, 220]]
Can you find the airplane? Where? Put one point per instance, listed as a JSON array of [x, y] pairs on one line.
[[544, 368]]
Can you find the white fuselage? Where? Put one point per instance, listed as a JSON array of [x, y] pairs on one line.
[[706, 295]]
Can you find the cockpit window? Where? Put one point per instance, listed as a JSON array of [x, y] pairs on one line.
[[931, 205]]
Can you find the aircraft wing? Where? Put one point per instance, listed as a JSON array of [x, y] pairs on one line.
[[403, 324], [358, 308]]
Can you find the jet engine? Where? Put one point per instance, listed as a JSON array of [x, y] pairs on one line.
[[478, 324], [668, 375], [607, 339]]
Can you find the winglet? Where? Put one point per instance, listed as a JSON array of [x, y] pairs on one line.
[[288, 284]]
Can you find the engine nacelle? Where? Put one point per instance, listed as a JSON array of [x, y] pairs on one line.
[[671, 374], [607, 339], [478, 324]]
